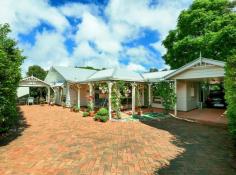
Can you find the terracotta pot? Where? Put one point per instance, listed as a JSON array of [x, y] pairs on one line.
[[91, 113], [140, 112]]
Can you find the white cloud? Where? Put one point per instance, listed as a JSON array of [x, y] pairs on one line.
[[48, 50], [136, 67], [161, 17], [122, 21], [85, 55], [78, 9], [95, 30], [24, 15], [141, 55], [158, 46]]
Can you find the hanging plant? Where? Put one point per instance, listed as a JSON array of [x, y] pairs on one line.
[[103, 88], [126, 91]]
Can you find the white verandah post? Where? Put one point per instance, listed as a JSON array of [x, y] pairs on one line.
[[48, 95], [109, 99], [133, 98], [149, 94], [68, 95], [78, 96], [176, 97]]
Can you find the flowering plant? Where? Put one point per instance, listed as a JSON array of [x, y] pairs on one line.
[[90, 103]]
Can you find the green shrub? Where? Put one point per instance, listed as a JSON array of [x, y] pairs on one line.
[[102, 112], [104, 118], [102, 115], [165, 90], [85, 114], [10, 75], [76, 108], [230, 95]]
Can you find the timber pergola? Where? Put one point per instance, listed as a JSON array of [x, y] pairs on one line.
[[35, 82]]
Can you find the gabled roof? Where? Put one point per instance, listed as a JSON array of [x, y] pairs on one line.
[[116, 74], [156, 76], [32, 81], [74, 74], [196, 62]]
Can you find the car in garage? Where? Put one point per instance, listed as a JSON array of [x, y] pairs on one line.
[[216, 99]]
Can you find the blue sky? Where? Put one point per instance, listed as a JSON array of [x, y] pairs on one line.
[[98, 33]]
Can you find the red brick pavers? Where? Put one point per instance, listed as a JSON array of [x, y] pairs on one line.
[[206, 115], [58, 141], [211, 116]]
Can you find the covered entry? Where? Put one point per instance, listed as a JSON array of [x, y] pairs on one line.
[[189, 81], [34, 82]]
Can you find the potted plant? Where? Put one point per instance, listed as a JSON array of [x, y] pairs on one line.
[[85, 114], [76, 108], [90, 106]]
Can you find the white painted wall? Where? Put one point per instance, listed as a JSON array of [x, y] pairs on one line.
[[192, 100], [181, 95], [73, 96], [84, 93]]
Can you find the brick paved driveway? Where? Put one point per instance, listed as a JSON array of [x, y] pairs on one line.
[[58, 141]]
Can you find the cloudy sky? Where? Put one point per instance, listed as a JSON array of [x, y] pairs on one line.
[[105, 33]]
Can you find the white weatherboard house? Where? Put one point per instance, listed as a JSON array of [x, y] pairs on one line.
[[74, 85]]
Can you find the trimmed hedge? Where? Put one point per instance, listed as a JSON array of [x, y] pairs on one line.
[[10, 75], [230, 93]]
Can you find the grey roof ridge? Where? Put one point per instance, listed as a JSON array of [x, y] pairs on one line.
[[53, 67], [92, 75], [113, 73]]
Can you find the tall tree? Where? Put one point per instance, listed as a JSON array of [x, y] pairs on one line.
[[153, 69], [230, 89], [10, 74], [208, 26], [37, 72]]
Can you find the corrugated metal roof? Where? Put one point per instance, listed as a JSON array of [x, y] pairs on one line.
[[155, 76], [85, 75], [116, 74], [74, 74]]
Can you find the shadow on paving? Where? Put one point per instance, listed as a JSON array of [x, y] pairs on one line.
[[14, 132], [208, 149]]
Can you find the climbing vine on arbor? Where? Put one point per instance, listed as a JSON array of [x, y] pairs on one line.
[[119, 90], [166, 91]]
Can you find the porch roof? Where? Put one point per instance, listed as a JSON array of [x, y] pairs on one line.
[[116, 74], [156, 76], [74, 74]]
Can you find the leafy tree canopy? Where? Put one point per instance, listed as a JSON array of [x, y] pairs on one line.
[[230, 89], [10, 75], [208, 26], [90, 68], [37, 72], [153, 70]]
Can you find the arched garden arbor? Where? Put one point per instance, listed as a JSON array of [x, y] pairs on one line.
[[35, 82]]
